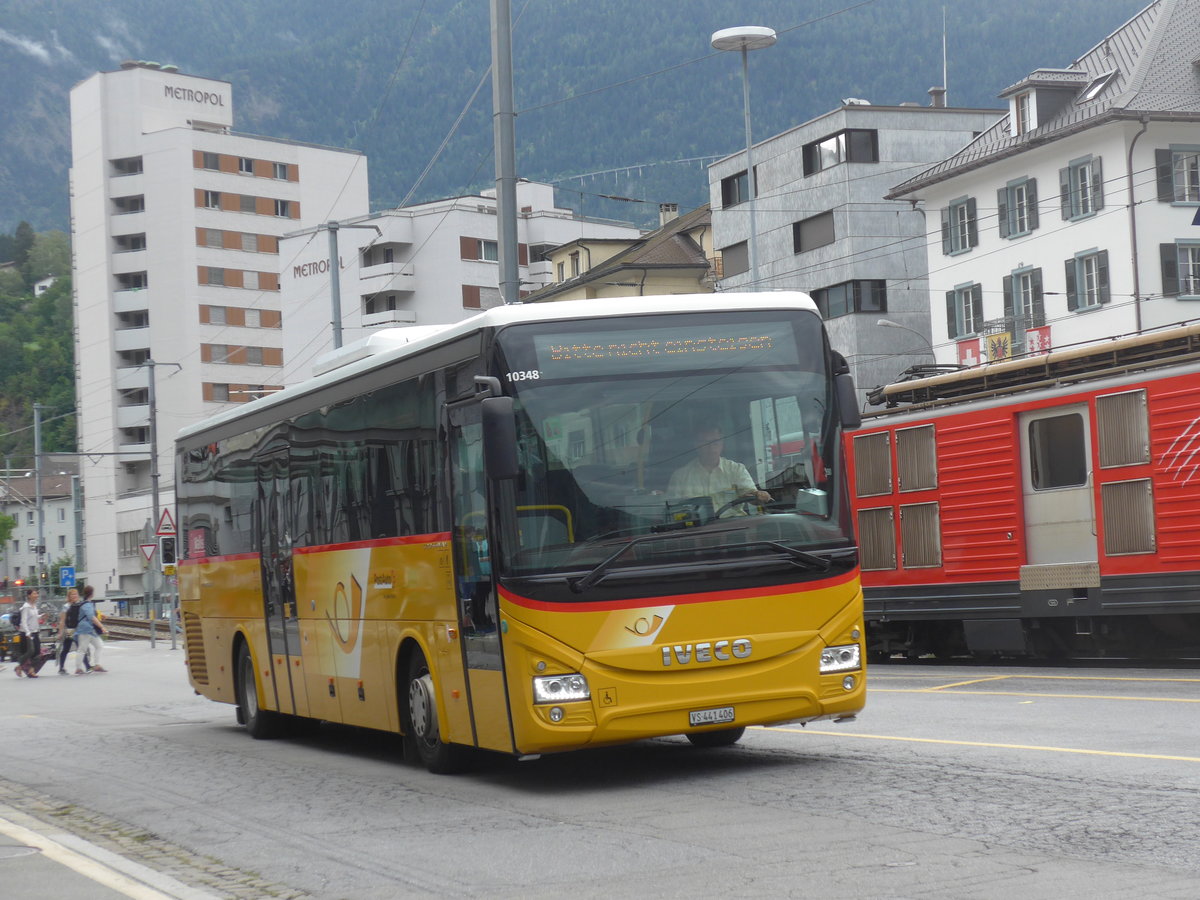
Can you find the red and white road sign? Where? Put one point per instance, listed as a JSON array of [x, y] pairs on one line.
[[148, 550], [166, 525]]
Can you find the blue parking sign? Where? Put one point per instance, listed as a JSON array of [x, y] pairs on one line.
[[66, 576]]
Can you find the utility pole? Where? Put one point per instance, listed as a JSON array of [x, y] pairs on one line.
[[503, 115], [37, 479], [335, 277], [154, 581]]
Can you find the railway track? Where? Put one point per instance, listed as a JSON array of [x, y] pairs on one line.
[[125, 629]]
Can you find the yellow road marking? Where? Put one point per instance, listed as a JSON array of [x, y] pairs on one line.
[[915, 740]]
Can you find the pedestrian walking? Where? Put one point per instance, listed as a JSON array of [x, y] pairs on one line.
[[67, 623], [31, 644], [87, 635]]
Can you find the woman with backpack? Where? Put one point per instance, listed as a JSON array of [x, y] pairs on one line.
[[67, 623]]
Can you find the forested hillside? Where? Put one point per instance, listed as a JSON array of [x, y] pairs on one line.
[[36, 344], [620, 98]]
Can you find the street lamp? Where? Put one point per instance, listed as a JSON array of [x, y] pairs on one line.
[[888, 323], [746, 38]]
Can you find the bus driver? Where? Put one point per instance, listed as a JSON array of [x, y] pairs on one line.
[[712, 475]]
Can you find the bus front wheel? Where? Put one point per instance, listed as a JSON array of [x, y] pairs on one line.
[[260, 723], [421, 722], [726, 737]]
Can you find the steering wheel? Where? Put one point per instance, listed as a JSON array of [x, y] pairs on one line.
[[735, 502]]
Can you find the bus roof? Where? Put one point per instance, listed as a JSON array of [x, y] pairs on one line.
[[388, 345], [1076, 363]]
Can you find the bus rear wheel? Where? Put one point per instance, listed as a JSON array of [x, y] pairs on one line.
[[421, 722], [260, 723], [726, 737]]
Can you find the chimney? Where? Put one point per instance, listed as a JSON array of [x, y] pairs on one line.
[[667, 212], [938, 95]]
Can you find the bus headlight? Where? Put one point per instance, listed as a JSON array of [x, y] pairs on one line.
[[845, 658], [560, 688]]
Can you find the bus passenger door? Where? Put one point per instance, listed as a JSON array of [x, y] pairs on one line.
[[1060, 513], [474, 588], [274, 540]]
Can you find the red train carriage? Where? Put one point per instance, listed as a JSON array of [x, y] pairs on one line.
[[1047, 505]]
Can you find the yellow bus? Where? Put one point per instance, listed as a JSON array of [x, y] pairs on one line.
[[492, 534]]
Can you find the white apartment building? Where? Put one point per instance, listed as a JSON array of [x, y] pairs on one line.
[[175, 225], [430, 264], [823, 225], [1074, 218]]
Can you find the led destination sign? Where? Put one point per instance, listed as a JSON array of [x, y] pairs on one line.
[[689, 347]]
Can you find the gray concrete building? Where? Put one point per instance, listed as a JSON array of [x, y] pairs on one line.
[[823, 226]]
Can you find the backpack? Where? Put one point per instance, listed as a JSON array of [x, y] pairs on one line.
[[73, 615]]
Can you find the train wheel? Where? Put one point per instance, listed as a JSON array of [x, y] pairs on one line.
[[260, 723], [726, 737], [421, 722]]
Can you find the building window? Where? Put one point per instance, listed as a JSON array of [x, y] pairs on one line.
[[211, 161], [248, 203], [1081, 190], [1017, 208], [214, 237], [1178, 174], [735, 189], [62, 542], [280, 171], [736, 259], [254, 356], [216, 315], [246, 165], [28, 518], [16, 547], [127, 543], [1180, 269], [959, 229], [132, 204], [1087, 280], [62, 514], [132, 281], [562, 272], [964, 310], [859, 145], [487, 250], [1023, 112], [1023, 299], [283, 209], [218, 353], [220, 393], [127, 243], [131, 165], [813, 232], [250, 280], [212, 199], [574, 257], [253, 318], [378, 303], [864, 295]]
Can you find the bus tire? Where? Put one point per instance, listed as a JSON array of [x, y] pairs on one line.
[[725, 737], [421, 733], [260, 723]]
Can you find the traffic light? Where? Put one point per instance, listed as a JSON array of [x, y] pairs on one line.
[[166, 550], [20, 582]]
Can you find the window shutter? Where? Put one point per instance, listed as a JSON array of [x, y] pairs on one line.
[[1169, 257], [1008, 297], [1064, 193], [972, 228], [1164, 163], [1032, 198], [468, 248], [977, 305], [1002, 211], [1072, 296], [946, 248], [522, 254], [951, 315], [1102, 275], [1097, 186], [1039, 311]]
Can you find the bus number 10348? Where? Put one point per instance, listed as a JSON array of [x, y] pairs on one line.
[[526, 375]]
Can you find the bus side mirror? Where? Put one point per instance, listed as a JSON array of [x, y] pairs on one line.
[[847, 399], [499, 438]]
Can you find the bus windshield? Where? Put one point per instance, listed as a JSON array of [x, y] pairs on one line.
[[671, 441]]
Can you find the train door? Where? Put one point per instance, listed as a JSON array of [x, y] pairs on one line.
[[1060, 510], [475, 589], [273, 538]]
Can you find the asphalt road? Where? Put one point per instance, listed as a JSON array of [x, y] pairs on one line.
[[955, 783]]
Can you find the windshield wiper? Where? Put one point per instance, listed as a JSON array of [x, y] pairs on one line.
[[593, 577]]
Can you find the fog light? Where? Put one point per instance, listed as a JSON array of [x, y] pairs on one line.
[[556, 714], [843, 658], [848, 682], [560, 688]]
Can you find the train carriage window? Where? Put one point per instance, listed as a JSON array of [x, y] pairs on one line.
[[1057, 452]]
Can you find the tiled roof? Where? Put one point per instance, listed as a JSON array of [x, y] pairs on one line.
[[1147, 67]]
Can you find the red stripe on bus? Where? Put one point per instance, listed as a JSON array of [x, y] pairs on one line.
[[679, 599]]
